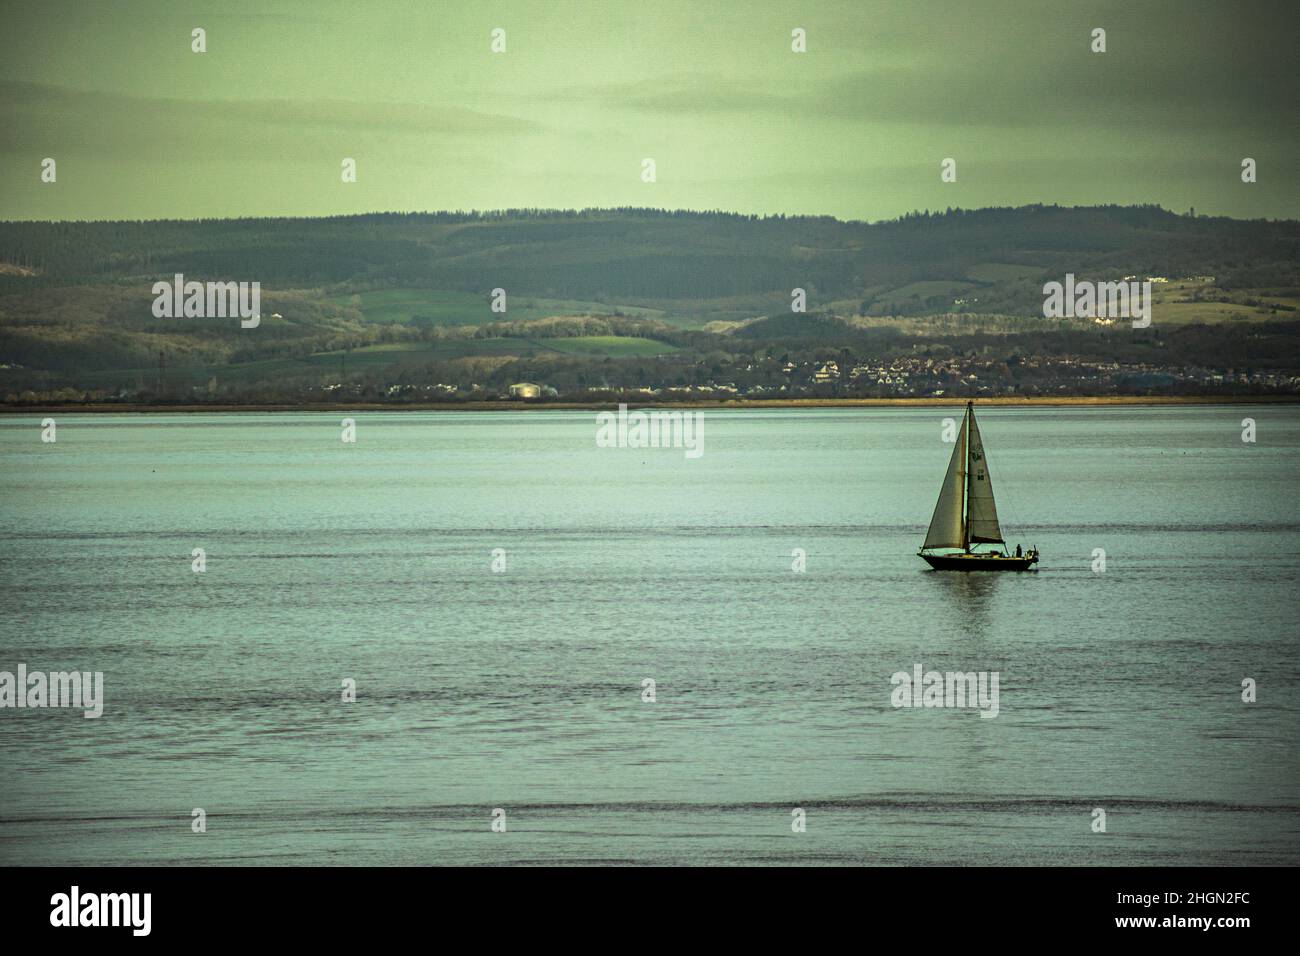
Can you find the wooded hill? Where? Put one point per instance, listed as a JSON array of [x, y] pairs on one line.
[[651, 254], [75, 297]]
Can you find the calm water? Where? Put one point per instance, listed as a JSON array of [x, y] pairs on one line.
[[522, 690]]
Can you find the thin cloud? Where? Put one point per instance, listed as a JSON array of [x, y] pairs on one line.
[[35, 100]]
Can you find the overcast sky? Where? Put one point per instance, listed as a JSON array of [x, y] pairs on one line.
[[856, 127]]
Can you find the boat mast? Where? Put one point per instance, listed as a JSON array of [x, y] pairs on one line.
[[965, 481]]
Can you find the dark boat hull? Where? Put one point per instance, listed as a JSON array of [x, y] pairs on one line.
[[988, 561]]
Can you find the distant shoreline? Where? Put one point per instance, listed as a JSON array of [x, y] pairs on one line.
[[787, 403]]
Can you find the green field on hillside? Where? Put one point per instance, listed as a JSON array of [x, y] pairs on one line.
[[404, 306], [1185, 301], [616, 346], [922, 291], [1001, 272]]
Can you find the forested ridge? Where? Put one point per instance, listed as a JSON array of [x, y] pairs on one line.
[[647, 253], [627, 297]]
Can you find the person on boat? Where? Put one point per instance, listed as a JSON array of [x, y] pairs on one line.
[[1018, 554]]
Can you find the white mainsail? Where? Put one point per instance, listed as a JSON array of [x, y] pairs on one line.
[[947, 529], [981, 512]]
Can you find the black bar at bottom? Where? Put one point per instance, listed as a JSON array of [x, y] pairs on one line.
[[333, 905]]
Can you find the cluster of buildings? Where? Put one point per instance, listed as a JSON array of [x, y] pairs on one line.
[[812, 374], [927, 377]]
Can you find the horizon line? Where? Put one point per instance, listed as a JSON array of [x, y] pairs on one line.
[[584, 210]]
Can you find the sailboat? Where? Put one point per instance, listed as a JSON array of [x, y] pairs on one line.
[[966, 514]]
